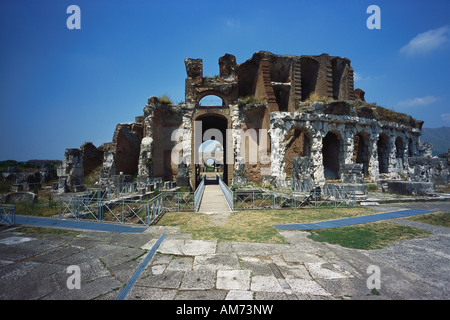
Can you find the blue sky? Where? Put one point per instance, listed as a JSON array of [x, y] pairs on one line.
[[60, 88]]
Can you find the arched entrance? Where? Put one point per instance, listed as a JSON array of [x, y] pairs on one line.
[[209, 127], [298, 144], [399, 153], [332, 155], [361, 150], [212, 161], [383, 153]]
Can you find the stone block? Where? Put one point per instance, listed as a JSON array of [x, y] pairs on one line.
[[28, 197], [411, 188], [352, 173]]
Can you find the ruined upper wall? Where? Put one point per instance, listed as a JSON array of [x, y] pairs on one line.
[[223, 86], [297, 78]]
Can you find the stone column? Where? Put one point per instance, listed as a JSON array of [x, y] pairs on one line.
[[317, 157]]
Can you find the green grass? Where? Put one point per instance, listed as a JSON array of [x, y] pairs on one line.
[[257, 226], [47, 231], [367, 236], [39, 209], [440, 219], [252, 225]]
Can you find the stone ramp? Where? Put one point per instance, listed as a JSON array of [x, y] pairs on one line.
[[213, 200]]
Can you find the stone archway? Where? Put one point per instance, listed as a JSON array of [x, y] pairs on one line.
[[297, 144], [361, 152], [210, 126], [332, 153], [383, 153], [399, 153]]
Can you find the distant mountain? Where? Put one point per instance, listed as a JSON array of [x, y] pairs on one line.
[[439, 137]]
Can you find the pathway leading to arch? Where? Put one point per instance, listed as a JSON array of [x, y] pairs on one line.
[[213, 200]]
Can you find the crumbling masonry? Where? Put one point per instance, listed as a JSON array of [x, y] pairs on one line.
[[281, 117]]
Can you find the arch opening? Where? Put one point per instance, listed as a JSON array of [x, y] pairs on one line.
[[383, 153], [332, 155], [298, 144], [211, 100], [361, 151], [210, 141]]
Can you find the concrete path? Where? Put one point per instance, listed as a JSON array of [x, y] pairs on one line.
[[213, 200]]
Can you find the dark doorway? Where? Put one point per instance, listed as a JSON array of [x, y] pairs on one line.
[[361, 151], [332, 154], [383, 153], [209, 127]]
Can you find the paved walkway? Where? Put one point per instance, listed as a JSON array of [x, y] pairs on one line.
[[351, 221], [72, 224], [213, 200]]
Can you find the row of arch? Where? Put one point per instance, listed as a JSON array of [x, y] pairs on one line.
[[298, 143]]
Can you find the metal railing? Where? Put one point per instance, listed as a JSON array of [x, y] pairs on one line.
[[198, 194], [88, 207], [227, 193], [178, 201], [7, 214], [308, 196]]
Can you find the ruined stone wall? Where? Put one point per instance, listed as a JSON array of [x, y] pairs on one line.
[[127, 141], [92, 157], [317, 124], [70, 172], [285, 80]]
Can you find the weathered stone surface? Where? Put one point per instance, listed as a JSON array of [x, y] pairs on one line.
[[359, 94], [427, 169], [92, 157], [411, 188], [183, 175], [352, 173], [302, 169], [127, 139], [71, 172], [14, 197], [108, 169]]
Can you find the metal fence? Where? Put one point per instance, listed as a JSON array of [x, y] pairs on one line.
[[97, 207], [178, 201], [122, 211], [227, 193], [7, 214], [198, 195], [126, 189], [329, 195]]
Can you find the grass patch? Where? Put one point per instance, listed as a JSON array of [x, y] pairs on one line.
[[252, 225], [367, 236], [440, 219], [47, 231], [164, 99], [39, 209]]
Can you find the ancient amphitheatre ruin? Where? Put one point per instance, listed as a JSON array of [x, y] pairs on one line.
[[281, 118]]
